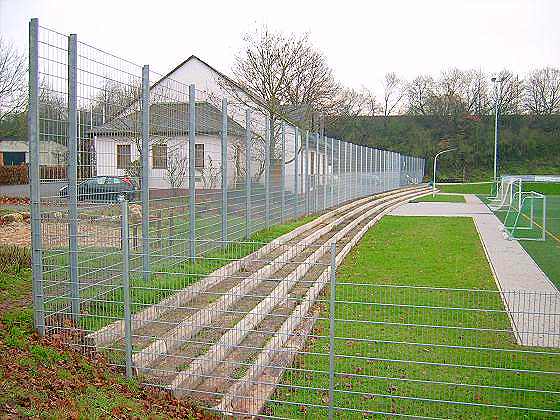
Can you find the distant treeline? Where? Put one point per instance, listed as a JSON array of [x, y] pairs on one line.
[[528, 144]]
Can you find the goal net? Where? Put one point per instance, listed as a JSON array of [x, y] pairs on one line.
[[527, 219]]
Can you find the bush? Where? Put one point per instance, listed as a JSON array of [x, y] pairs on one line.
[[14, 175], [14, 257]]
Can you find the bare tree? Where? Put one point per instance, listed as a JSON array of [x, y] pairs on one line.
[[177, 168], [285, 72], [543, 91], [511, 95], [393, 93], [13, 71], [475, 94], [211, 174], [420, 93], [352, 103], [450, 93]]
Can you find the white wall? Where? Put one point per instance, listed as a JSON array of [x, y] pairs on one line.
[[106, 153]]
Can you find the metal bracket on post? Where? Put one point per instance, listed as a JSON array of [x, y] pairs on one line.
[[248, 173], [73, 174], [332, 304], [224, 172], [125, 234], [192, 180], [146, 172], [283, 175], [267, 172], [34, 174]]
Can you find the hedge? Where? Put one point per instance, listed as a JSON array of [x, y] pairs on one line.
[[13, 175]]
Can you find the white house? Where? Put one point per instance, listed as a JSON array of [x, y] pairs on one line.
[[117, 141]]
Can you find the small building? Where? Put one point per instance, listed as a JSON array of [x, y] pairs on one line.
[[16, 152], [117, 141]]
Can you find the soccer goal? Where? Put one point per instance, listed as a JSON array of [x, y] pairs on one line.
[[527, 221], [508, 195]]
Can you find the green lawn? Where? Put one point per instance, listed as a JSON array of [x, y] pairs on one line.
[[403, 287], [486, 187], [440, 198], [42, 378], [483, 188]]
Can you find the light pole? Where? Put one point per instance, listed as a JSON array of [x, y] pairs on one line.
[[498, 97], [435, 167]]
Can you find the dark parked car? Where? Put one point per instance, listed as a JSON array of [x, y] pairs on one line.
[[104, 188]]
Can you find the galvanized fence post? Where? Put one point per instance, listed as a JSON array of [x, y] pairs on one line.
[[544, 218], [332, 203], [296, 169], [247, 173], [224, 172], [146, 171], [361, 177], [325, 170], [35, 193], [345, 183], [126, 285], [283, 175], [316, 177], [73, 173], [267, 172], [306, 172], [332, 329], [192, 180], [355, 171], [339, 173], [366, 174]]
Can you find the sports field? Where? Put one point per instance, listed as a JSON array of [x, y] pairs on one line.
[[423, 333]]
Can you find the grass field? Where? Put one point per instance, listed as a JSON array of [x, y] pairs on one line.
[[440, 198], [408, 328], [483, 188], [547, 253]]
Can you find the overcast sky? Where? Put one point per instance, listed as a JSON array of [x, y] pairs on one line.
[[361, 39]]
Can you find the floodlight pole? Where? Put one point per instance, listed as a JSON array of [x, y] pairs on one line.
[[435, 167], [498, 93]]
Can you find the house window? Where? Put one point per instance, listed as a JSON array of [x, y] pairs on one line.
[[123, 156], [159, 156], [199, 156]]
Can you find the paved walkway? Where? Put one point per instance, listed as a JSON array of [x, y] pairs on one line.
[[532, 301]]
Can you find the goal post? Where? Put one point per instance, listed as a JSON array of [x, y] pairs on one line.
[[527, 221]]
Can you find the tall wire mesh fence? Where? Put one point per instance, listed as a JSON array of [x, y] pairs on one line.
[[167, 234]]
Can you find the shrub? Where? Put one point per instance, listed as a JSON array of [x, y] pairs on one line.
[[14, 175], [13, 256]]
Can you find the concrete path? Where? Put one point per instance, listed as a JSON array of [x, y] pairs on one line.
[[532, 301]]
